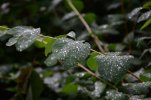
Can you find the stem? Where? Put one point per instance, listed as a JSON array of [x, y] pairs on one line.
[[93, 74], [96, 39], [134, 76]]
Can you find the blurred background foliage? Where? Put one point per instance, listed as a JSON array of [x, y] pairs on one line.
[[23, 74]]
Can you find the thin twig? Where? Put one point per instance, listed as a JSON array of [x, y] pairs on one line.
[[93, 74], [134, 76], [96, 40]]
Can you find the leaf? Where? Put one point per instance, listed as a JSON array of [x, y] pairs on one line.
[[69, 52], [2, 30], [147, 23], [113, 66], [23, 37], [36, 85], [147, 4], [145, 76], [115, 95], [90, 18], [70, 88], [99, 89], [48, 46], [134, 12], [144, 16], [91, 62], [136, 88]]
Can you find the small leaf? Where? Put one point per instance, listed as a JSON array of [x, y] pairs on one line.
[[144, 16], [69, 52], [70, 88], [113, 66], [36, 85], [99, 89], [91, 62], [136, 88], [115, 95], [23, 37], [147, 23], [90, 18], [145, 76], [134, 12]]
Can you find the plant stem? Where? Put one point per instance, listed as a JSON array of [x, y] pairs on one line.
[[134, 76], [93, 74], [96, 39]]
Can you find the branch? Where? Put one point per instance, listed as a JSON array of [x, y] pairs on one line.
[[93, 74], [96, 39]]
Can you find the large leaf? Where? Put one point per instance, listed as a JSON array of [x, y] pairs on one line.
[[113, 66], [23, 37], [115, 95], [136, 88], [69, 52]]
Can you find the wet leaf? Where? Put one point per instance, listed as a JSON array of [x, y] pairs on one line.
[[113, 66], [99, 89], [144, 16], [23, 37], [134, 12], [115, 95], [69, 52], [136, 88], [2, 30]]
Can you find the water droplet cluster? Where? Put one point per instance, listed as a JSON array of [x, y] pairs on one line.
[[136, 88], [69, 52], [23, 37], [113, 66], [115, 95]]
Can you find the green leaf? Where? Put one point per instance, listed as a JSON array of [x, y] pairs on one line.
[[90, 18], [115, 95], [23, 37], [136, 88], [69, 52], [48, 46], [91, 62], [113, 66], [36, 85], [70, 88], [147, 4], [147, 23], [2, 30], [145, 77]]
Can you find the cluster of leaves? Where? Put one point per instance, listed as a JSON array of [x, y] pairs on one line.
[[113, 79]]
